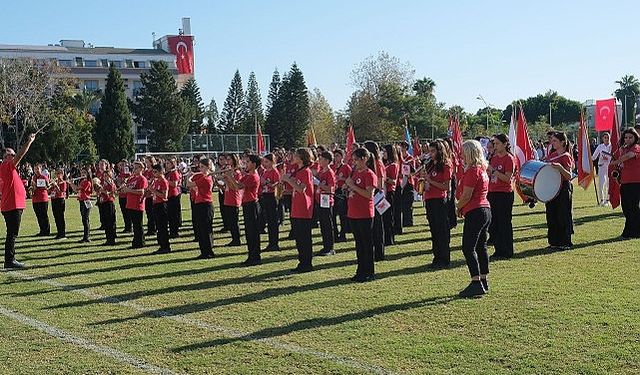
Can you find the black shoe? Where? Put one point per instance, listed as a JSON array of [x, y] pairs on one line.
[[267, 249], [251, 262], [150, 234], [474, 289], [126, 230], [324, 253], [138, 246], [60, 237], [161, 251], [300, 269], [223, 230], [363, 279], [84, 240], [379, 258], [13, 264], [233, 243], [204, 256], [485, 284], [389, 243]]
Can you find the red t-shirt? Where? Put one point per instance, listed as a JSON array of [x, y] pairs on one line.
[[84, 190], [14, 195], [359, 207], [109, 189], [392, 173], [174, 176], [136, 202], [476, 177], [40, 194], [406, 168], [328, 178], [61, 192], [160, 184], [502, 164], [121, 178], [289, 169], [267, 179], [232, 197], [630, 168], [443, 176], [564, 159], [251, 183], [381, 172], [204, 186], [302, 202], [342, 173]]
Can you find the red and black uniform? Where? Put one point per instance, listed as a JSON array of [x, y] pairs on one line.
[[13, 202], [361, 214], [40, 200], [85, 189], [174, 208], [392, 170], [501, 199], [477, 216], [342, 172], [301, 218], [232, 202], [559, 210], [630, 191], [135, 207], [151, 220], [435, 201], [122, 200], [250, 212], [378, 224], [203, 214], [403, 215], [107, 206], [58, 205], [324, 205], [160, 212], [269, 206]]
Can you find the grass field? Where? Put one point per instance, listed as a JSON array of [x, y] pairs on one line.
[[572, 312]]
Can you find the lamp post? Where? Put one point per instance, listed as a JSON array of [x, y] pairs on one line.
[[488, 107]]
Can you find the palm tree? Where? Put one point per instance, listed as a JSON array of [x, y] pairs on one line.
[[425, 87], [85, 100], [628, 93]]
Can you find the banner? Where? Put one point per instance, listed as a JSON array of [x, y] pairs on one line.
[[585, 163], [614, 186], [605, 114], [182, 48]]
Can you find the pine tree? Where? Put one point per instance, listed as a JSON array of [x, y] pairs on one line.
[[213, 117], [191, 94], [161, 110], [291, 110], [114, 133], [253, 106], [233, 112], [273, 115]]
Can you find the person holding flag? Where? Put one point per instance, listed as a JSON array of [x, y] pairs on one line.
[[628, 162]]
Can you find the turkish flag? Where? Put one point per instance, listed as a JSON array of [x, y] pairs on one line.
[[605, 113], [522, 148], [182, 48]]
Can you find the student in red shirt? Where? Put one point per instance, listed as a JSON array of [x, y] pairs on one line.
[[377, 166], [174, 208], [40, 199], [404, 192], [100, 169], [195, 168], [302, 208], [135, 190], [203, 211], [437, 177], [392, 168], [13, 200], [342, 172], [249, 184], [107, 197], [628, 159], [324, 202], [59, 191], [84, 188], [362, 185], [233, 200], [559, 210], [150, 161], [221, 164], [160, 191], [268, 202], [474, 207], [290, 168], [501, 170], [123, 174]]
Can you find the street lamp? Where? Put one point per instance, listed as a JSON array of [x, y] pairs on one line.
[[487, 106]]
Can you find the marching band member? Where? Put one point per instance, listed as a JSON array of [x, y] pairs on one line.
[[342, 171], [150, 161], [174, 207], [602, 153], [221, 164], [404, 195], [203, 212], [451, 196], [106, 197], [628, 162], [195, 162], [84, 190], [135, 190], [390, 158], [302, 208], [58, 203], [101, 167], [233, 200], [290, 168], [160, 188], [377, 166], [437, 175], [559, 210], [362, 185], [268, 202], [501, 170], [40, 199], [121, 179], [324, 202], [474, 207]]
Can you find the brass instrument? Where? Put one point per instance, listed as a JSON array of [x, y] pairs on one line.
[[420, 186], [278, 190]]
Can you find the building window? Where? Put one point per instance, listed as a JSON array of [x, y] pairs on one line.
[[67, 63], [128, 63], [104, 63], [79, 62], [91, 63], [139, 64], [137, 85], [116, 64], [91, 85]]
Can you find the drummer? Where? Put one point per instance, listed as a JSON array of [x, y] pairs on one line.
[[559, 209]]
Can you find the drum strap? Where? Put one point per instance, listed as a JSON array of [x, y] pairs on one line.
[[558, 157]]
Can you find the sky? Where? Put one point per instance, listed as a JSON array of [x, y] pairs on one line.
[[501, 50]]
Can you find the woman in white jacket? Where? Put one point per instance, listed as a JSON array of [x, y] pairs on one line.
[[603, 155]]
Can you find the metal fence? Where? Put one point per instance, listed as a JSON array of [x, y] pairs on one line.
[[222, 142]]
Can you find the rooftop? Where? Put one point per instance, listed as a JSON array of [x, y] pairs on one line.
[[82, 50]]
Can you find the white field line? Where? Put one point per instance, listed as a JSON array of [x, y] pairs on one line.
[[84, 343], [227, 332]]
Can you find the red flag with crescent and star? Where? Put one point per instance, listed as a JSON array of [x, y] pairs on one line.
[[182, 48], [605, 113]]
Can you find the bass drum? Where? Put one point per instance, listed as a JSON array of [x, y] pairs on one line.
[[539, 181]]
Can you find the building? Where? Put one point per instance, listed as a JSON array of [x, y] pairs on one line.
[[90, 64]]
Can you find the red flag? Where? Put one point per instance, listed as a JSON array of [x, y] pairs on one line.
[[585, 164], [260, 149], [417, 149], [456, 141], [522, 148], [605, 114], [351, 139], [614, 186]]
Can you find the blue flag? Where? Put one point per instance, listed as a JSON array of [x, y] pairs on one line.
[[407, 138]]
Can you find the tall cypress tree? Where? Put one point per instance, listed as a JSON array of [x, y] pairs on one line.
[[114, 133], [213, 117], [273, 115], [292, 107], [161, 110], [233, 112], [253, 106], [191, 94]]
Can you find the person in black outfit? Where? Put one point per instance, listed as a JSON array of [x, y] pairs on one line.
[[559, 211], [628, 157]]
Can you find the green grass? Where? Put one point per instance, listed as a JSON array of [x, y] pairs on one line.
[[572, 312]]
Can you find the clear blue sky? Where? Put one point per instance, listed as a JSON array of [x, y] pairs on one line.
[[503, 50]]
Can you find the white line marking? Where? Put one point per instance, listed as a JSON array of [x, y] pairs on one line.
[[228, 332], [84, 343]]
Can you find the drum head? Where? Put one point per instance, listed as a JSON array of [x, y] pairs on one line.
[[547, 183]]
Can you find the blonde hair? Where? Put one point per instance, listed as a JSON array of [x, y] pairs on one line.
[[473, 154]]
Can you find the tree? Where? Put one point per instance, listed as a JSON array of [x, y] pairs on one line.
[[381, 69], [321, 118], [253, 107], [85, 100], [190, 93], [563, 111], [292, 110], [213, 117], [627, 94], [425, 87], [114, 134], [233, 112], [160, 109], [273, 112]]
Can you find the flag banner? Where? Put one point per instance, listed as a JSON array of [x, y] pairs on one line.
[[614, 186], [351, 139], [522, 147], [585, 164], [407, 138], [456, 141], [605, 114], [260, 148]]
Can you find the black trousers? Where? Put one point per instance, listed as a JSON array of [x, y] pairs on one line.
[[109, 220], [407, 206], [630, 201], [161, 213], [174, 215], [12, 218], [325, 217], [560, 217], [451, 205], [125, 214], [223, 214], [378, 236], [232, 217], [58, 206], [474, 240], [364, 246], [85, 211], [397, 210], [100, 213], [501, 225], [438, 220], [251, 214], [388, 220], [269, 206], [151, 220], [302, 231], [204, 223], [193, 219], [42, 215], [136, 224]]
